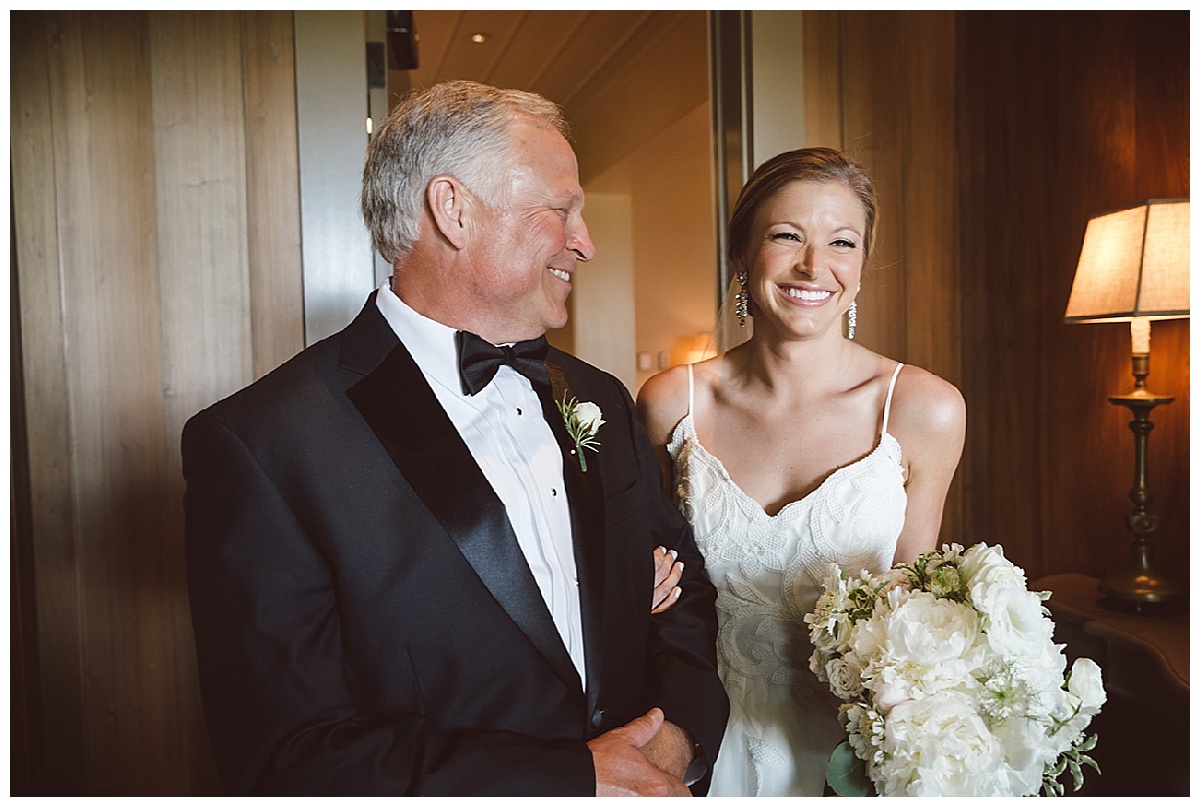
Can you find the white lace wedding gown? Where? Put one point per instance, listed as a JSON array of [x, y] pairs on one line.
[[768, 571]]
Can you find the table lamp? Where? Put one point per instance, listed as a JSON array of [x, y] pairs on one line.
[[1134, 268]]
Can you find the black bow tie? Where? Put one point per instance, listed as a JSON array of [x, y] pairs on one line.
[[479, 360]]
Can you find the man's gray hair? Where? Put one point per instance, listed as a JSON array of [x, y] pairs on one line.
[[459, 128]]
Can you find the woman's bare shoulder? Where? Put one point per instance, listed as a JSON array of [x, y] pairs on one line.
[[663, 400], [927, 403]]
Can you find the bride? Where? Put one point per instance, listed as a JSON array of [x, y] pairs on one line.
[[796, 449]]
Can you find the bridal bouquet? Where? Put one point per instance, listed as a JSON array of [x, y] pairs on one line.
[[950, 682]]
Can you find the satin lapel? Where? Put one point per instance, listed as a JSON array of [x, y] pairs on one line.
[[405, 415], [585, 492]]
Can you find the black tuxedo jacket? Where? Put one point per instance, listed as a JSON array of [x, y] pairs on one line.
[[365, 621]]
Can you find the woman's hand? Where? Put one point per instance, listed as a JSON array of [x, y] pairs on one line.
[[667, 572]]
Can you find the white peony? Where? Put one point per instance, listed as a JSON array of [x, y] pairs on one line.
[[939, 746], [926, 644]]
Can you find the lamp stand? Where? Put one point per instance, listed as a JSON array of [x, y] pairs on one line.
[[1140, 588]]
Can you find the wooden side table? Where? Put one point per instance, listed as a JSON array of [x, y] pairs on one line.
[[1143, 729]]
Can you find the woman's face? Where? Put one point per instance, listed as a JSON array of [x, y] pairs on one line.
[[805, 257]]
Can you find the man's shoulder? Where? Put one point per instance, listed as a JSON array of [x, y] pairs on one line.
[[269, 395]]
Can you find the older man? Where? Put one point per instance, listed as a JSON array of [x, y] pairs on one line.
[[419, 552]]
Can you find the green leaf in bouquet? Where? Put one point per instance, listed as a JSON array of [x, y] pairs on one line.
[[846, 773]]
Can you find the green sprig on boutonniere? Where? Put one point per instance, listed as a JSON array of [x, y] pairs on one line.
[[583, 420]]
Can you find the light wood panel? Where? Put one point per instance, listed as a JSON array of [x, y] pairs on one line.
[[272, 189], [54, 649], [139, 285]]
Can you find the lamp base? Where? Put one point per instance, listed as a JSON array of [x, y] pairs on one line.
[[1142, 592]]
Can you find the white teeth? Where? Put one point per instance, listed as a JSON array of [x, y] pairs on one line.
[[811, 296], [561, 275]]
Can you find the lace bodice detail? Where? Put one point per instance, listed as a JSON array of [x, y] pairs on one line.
[[768, 570]]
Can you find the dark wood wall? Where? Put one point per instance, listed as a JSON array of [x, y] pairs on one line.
[[992, 138], [1062, 116]]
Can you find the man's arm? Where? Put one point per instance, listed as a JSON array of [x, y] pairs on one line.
[[681, 670]]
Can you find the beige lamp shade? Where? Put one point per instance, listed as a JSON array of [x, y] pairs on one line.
[[1134, 263]]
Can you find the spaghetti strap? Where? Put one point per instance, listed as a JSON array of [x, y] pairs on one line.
[[691, 390], [887, 404]]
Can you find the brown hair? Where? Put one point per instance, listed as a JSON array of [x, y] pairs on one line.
[[802, 165]]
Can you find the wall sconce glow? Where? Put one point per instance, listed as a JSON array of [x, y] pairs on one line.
[[370, 126], [692, 349], [479, 39]]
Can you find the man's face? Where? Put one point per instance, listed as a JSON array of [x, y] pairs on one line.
[[527, 248]]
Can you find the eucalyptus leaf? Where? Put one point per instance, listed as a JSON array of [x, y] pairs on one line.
[[847, 774]]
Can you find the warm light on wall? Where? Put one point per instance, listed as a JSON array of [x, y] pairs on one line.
[[693, 349]]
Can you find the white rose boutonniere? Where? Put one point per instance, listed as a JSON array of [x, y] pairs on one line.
[[583, 420]]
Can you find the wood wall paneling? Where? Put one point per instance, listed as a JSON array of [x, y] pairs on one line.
[[272, 189], [54, 649], [142, 271], [873, 112], [1063, 116]]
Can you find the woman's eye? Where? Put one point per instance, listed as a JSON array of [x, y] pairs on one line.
[[785, 237], [844, 243]]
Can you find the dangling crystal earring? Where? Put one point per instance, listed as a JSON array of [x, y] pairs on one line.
[[742, 299], [851, 318]]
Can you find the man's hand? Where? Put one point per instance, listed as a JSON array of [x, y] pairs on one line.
[[667, 573], [670, 749], [623, 769]]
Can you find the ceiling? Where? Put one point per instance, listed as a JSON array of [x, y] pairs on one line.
[[620, 76], [552, 53]]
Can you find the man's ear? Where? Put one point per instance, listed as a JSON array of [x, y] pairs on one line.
[[449, 205]]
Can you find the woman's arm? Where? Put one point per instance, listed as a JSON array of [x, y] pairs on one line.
[[929, 420]]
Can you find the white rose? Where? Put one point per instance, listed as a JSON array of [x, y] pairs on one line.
[[1015, 623], [845, 678], [1085, 683], [589, 416], [939, 746], [984, 567]]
